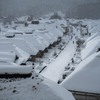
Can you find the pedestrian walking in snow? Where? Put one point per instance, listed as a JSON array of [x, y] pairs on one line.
[[72, 60], [68, 64]]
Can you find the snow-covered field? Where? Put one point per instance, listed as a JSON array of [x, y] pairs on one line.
[[52, 51]]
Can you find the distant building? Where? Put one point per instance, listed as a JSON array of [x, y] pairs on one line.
[[35, 22]]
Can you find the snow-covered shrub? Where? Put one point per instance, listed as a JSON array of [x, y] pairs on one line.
[[80, 42], [30, 18], [55, 16], [72, 69]]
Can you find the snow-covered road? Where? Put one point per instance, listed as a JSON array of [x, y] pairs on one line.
[[55, 69]]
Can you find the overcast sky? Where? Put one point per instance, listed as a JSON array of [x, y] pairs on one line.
[[37, 7]]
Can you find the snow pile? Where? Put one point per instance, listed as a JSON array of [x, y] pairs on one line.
[[31, 41], [86, 77]]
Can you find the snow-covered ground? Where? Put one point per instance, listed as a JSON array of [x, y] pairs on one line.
[[55, 69]]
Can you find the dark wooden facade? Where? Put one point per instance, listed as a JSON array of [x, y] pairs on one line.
[[85, 95]]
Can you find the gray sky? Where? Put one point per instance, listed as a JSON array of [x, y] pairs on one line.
[[37, 7]]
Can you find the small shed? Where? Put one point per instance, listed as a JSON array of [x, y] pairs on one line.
[[35, 22]]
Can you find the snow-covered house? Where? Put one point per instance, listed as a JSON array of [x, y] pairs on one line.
[[10, 52], [26, 30], [11, 33], [19, 42], [7, 52], [95, 28], [38, 89], [21, 20], [7, 56], [91, 47], [31, 42], [85, 79], [12, 70], [94, 35], [11, 59]]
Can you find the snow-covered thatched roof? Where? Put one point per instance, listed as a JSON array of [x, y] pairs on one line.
[[86, 76]]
